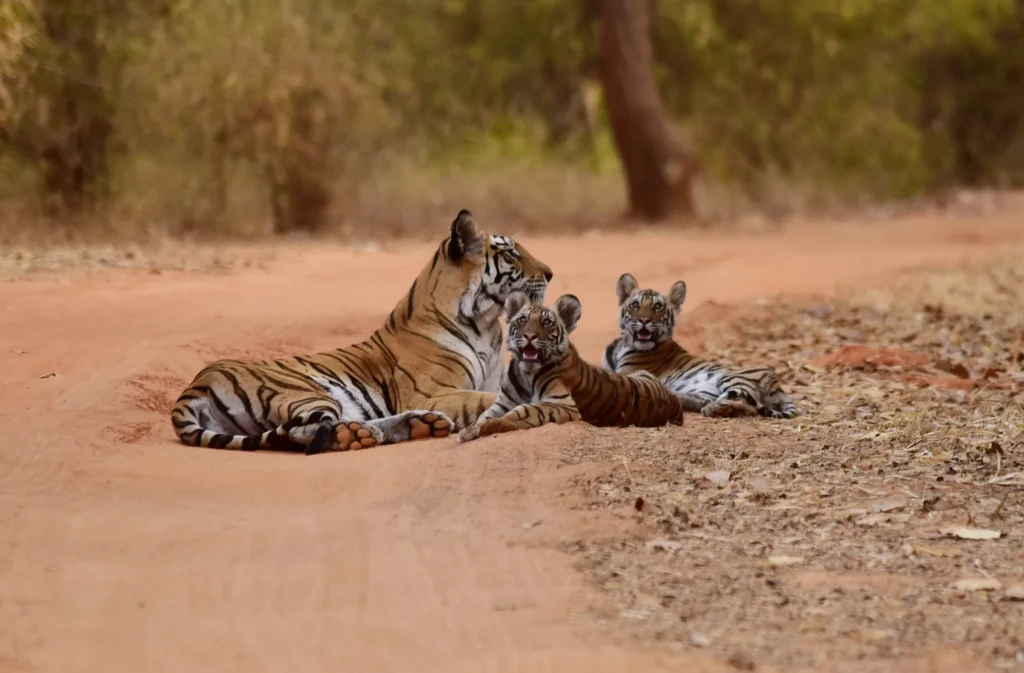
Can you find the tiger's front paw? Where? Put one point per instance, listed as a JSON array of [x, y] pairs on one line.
[[468, 434], [491, 426], [495, 426]]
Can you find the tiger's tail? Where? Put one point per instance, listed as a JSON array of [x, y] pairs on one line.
[[185, 418]]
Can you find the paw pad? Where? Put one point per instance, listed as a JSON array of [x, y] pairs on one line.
[[429, 425], [353, 436]]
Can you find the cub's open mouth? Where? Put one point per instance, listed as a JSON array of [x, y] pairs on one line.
[[530, 353], [643, 334]]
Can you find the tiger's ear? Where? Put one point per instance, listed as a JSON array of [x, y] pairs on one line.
[[568, 309], [514, 303], [625, 287], [465, 240], [677, 295]]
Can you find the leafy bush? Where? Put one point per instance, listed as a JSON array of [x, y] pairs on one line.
[[247, 116]]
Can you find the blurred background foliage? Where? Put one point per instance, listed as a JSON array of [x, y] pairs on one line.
[[244, 117]]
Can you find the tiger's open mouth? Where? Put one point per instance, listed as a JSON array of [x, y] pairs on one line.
[[530, 353], [644, 334]]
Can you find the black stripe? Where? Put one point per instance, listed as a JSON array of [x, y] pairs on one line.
[[220, 441], [181, 425], [348, 361], [451, 354], [609, 354], [240, 393], [217, 402], [366, 395], [514, 378], [412, 298], [265, 394], [451, 327]]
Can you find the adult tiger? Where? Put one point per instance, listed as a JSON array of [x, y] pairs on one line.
[[547, 381], [647, 321], [431, 366]]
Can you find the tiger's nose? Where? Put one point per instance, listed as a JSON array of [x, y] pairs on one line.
[[529, 336], [548, 276]]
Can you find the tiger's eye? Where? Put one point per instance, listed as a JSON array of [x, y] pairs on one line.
[[635, 305], [658, 306]]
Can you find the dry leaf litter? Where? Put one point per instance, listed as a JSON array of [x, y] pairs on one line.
[[884, 521]]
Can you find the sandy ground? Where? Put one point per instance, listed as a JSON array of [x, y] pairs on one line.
[[121, 550]]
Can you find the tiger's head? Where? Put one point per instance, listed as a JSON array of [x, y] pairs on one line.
[[646, 317], [538, 335], [488, 268]]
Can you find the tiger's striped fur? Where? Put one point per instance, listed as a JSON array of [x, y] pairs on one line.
[[547, 381], [432, 366], [647, 320]]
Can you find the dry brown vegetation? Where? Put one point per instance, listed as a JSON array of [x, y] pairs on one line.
[[885, 521], [123, 120]]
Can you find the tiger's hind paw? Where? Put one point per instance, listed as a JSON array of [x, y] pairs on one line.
[[468, 434], [428, 424], [733, 408], [787, 411], [354, 436]]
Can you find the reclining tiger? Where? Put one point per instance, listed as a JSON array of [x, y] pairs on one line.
[[431, 369], [546, 380], [647, 321]]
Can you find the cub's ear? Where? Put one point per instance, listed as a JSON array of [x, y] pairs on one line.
[[514, 303], [625, 287], [465, 240], [568, 309], [677, 295]]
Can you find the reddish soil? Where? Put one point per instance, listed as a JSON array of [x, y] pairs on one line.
[[121, 550]]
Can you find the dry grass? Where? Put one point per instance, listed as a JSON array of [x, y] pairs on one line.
[[837, 537], [404, 199], [156, 256]]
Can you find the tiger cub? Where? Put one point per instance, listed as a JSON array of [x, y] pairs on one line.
[[546, 380], [647, 320]]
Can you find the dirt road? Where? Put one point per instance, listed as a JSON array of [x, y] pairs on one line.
[[121, 550]]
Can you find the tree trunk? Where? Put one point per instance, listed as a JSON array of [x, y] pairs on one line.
[[299, 191], [74, 146], [659, 169]]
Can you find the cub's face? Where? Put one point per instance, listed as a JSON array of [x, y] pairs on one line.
[[646, 317], [536, 334]]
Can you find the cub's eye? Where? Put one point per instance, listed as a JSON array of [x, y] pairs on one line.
[[521, 320], [548, 322], [658, 306], [635, 305]]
